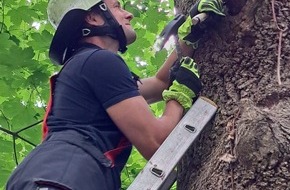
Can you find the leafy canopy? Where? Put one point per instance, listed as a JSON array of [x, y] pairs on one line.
[[25, 68]]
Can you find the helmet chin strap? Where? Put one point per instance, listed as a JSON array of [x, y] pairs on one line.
[[111, 28]]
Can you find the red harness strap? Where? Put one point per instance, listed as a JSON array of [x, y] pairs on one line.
[[112, 154], [49, 105]]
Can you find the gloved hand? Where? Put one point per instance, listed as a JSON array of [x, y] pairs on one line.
[[190, 33], [186, 86]]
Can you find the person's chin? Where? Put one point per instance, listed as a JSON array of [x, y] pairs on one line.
[[131, 39]]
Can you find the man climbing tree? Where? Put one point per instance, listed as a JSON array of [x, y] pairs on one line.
[[98, 109]]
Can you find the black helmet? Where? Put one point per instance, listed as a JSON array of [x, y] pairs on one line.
[[67, 16]]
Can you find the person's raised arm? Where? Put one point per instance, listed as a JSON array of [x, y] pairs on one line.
[[136, 121], [151, 88]]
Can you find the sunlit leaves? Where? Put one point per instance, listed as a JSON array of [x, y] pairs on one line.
[[23, 81], [25, 36]]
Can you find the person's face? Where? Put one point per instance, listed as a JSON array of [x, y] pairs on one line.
[[123, 17]]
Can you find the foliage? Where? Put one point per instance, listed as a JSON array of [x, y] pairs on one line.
[[25, 36]]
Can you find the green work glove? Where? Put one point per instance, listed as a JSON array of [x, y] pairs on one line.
[[186, 85], [190, 33], [208, 6]]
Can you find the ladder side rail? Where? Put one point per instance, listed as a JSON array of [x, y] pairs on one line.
[[165, 159], [169, 181]]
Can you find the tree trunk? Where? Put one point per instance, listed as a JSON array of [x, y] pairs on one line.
[[244, 62]]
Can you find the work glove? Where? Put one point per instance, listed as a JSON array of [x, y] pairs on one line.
[[186, 85], [190, 33]]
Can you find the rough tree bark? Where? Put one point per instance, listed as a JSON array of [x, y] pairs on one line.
[[248, 145]]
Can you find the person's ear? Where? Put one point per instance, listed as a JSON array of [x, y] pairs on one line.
[[94, 19]]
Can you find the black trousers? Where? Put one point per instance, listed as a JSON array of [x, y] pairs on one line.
[[65, 161]]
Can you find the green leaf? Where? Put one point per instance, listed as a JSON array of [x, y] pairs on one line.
[[23, 58], [4, 71], [6, 43], [23, 13], [41, 41], [5, 89]]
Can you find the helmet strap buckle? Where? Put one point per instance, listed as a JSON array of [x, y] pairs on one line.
[[103, 7], [86, 31]]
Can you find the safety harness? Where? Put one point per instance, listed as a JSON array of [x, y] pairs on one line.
[[111, 154]]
